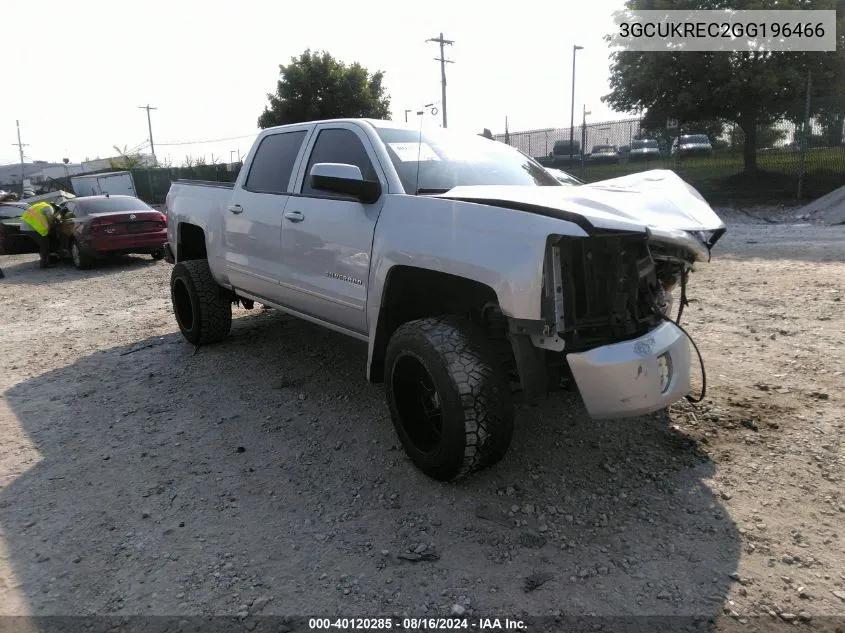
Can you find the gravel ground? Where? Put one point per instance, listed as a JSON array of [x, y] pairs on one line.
[[262, 475]]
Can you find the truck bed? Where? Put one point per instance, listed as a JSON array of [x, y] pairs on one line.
[[206, 183]]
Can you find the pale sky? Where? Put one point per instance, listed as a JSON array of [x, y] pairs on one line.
[[75, 72]]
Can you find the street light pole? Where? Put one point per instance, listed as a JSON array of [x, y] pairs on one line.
[[425, 107], [406, 115], [575, 49]]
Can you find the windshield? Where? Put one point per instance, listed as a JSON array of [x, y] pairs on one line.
[[644, 143], [695, 138], [11, 210], [111, 205], [437, 160]]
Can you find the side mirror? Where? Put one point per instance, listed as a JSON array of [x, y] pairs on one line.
[[343, 178]]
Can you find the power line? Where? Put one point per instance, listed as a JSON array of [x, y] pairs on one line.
[[213, 140], [150, 127], [137, 148], [443, 61]]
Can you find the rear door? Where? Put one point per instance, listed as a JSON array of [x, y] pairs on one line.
[[327, 238], [252, 222]]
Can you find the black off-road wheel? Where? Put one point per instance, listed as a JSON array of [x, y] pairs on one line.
[[203, 312], [448, 396]]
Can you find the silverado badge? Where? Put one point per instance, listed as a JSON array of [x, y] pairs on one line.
[[351, 280]]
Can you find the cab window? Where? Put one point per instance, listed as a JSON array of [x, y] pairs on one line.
[[273, 163], [338, 146]]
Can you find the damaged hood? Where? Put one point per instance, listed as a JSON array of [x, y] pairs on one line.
[[657, 200]]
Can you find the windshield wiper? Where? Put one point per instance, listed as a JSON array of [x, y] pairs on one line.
[[423, 192]]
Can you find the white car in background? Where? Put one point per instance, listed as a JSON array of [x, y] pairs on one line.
[[564, 177], [644, 149], [693, 145]]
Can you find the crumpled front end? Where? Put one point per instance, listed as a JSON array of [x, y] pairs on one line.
[[609, 297], [634, 377]]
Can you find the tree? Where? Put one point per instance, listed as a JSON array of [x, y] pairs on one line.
[[653, 125], [126, 159], [767, 136], [750, 89], [316, 86]]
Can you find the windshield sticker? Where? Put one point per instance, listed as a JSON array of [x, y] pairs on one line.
[[412, 152]]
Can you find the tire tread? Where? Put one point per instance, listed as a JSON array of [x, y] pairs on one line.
[[479, 381], [213, 311]]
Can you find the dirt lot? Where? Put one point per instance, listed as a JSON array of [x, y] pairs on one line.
[[263, 476]]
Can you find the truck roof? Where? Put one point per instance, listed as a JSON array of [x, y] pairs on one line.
[[373, 122], [382, 123]]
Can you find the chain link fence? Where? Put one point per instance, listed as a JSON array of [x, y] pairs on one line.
[[801, 156], [152, 184]]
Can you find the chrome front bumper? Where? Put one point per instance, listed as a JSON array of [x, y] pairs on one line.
[[634, 377]]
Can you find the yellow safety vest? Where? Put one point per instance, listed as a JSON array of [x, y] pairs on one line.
[[38, 216]]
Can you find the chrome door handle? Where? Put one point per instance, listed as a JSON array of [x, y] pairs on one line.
[[294, 216], [235, 208]]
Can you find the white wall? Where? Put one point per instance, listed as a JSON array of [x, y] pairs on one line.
[[60, 171], [73, 169]]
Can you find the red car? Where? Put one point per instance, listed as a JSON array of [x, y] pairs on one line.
[[96, 226]]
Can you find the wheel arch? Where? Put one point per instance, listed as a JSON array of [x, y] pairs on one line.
[[411, 293], [190, 242]]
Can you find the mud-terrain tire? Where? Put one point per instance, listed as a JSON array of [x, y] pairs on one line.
[[448, 396], [203, 313]]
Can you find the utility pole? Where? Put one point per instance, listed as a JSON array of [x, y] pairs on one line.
[[20, 150], [575, 49], [150, 127], [805, 138], [584, 114], [443, 61]]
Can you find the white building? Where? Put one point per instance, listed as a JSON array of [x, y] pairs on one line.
[[85, 167]]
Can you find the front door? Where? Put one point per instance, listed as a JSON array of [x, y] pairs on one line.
[[66, 225], [327, 238], [252, 221]]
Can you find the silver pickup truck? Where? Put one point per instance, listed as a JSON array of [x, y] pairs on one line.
[[472, 273]]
